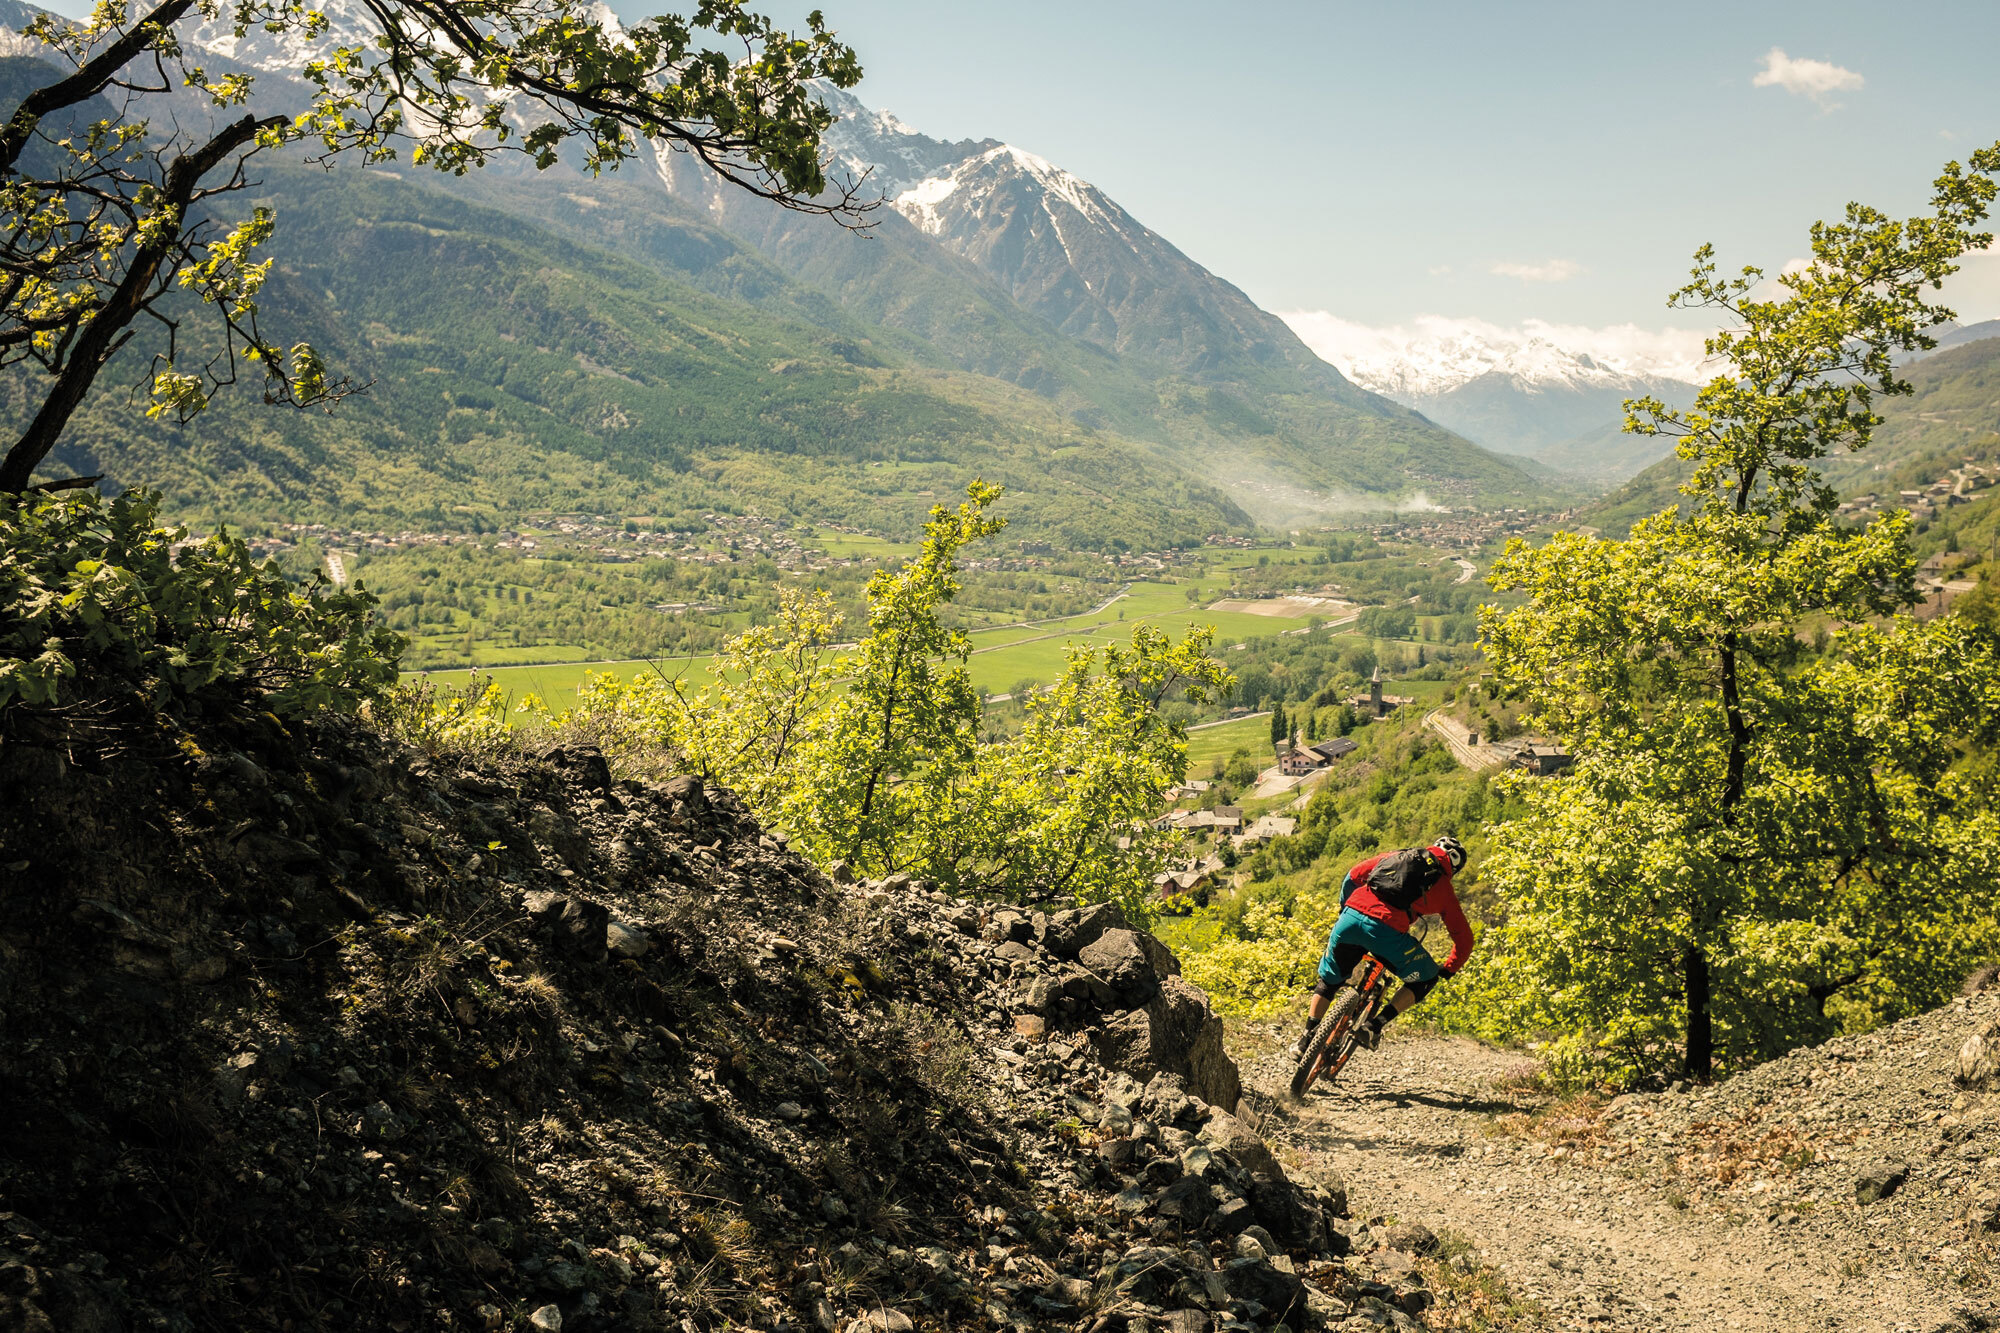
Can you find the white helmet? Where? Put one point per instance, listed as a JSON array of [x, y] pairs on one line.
[[1453, 849]]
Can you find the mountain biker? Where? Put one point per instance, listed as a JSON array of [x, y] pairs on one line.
[[1379, 898]]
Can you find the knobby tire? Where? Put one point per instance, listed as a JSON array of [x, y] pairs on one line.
[[1331, 1043]]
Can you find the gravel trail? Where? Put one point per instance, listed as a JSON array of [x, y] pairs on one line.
[[1598, 1214]]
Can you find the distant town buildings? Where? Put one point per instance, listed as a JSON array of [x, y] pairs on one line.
[[1958, 486], [1187, 878], [1300, 758], [1543, 759], [1265, 829], [1223, 820], [1376, 704]]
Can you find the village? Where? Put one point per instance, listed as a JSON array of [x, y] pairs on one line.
[[1222, 835], [1959, 486], [726, 539], [1468, 529]]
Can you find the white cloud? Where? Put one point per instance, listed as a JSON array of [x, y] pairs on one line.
[[1439, 270], [1817, 79], [1433, 354], [1556, 270]]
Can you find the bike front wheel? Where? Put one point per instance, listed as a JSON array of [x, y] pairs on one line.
[[1330, 1044]]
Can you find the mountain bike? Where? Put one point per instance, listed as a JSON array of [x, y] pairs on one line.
[[1334, 1038]]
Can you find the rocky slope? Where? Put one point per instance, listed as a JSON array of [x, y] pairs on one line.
[[303, 1029]]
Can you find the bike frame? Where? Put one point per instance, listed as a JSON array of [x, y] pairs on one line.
[[1339, 1046], [1377, 982]]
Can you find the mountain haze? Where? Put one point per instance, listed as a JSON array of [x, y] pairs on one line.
[[1019, 295], [1545, 392]]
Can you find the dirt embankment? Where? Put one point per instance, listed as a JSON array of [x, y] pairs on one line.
[[1855, 1185]]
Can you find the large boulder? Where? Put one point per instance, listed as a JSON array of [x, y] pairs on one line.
[[1979, 1059], [1260, 1281], [1067, 934], [1188, 1200], [1119, 957], [1173, 1033], [1162, 958], [1225, 1133]]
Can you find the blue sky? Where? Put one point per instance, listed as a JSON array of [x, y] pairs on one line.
[[1500, 162], [1381, 160]]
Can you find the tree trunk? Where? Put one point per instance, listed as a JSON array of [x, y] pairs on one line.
[[105, 333], [1700, 1053]]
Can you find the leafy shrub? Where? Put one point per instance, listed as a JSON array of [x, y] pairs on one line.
[[471, 718], [876, 755], [94, 593]]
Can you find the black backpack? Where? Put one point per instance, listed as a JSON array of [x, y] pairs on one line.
[[1400, 878]]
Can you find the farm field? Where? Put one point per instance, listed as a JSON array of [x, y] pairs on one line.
[[1009, 654], [556, 683], [1002, 658], [1041, 659], [849, 545], [1208, 744]]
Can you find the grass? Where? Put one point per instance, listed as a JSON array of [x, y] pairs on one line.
[[1575, 1122], [1221, 742], [1041, 658], [556, 683], [1470, 1294], [849, 545]]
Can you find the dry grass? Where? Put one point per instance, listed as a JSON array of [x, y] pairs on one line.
[[940, 1054], [1529, 1076], [539, 990], [1575, 1122], [1473, 1298], [1726, 1153], [850, 1278]]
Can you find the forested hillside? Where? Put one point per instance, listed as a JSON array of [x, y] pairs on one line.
[[1951, 415], [510, 371], [1224, 405]]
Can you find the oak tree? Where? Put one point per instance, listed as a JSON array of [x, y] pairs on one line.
[[1759, 840], [114, 170]]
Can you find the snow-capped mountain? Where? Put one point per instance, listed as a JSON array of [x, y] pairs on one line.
[[1057, 244], [991, 260], [1060, 247], [1431, 356], [348, 24], [984, 250], [1530, 390]]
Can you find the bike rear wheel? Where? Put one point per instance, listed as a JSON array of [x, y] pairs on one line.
[[1330, 1044]]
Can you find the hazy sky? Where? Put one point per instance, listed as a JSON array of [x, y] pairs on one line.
[[1382, 161]]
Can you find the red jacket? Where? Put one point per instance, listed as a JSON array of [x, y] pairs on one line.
[[1439, 900]]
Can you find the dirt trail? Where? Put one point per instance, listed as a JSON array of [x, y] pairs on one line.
[[1419, 1130]]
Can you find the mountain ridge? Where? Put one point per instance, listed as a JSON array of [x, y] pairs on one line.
[[1953, 413], [1028, 276]]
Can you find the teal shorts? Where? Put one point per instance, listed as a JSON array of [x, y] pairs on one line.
[[1355, 934]]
